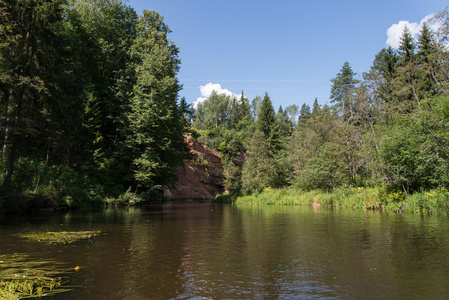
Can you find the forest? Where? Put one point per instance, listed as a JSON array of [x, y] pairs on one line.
[[89, 102], [90, 114]]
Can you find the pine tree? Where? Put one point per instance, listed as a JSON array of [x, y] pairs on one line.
[[27, 49], [385, 66], [425, 57], [342, 89], [244, 109], [259, 169], [266, 117], [316, 108], [156, 126], [304, 114], [407, 47], [405, 87], [282, 129], [255, 107]]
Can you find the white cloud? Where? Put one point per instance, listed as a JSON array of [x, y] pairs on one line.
[[206, 91], [395, 31]]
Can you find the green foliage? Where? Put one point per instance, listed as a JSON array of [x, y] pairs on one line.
[[231, 151], [225, 198], [415, 149], [60, 237], [293, 111], [321, 152], [128, 198], [22, 277], [200, 161], [223, 123], [89, 107], [156, 124], [341, 91], [88, 100], [258, 170], [36, 186], [221, 111], [407, 46], [431, 202], [266, 117]]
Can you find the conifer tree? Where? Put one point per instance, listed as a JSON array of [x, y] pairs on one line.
[[282, 129], [29, 34], [156, 126], [259, 169], [405, 87], [266, 117], [407, 46], [316, 108], [304, 114], [342, 89], [425, 57], [384, 66]]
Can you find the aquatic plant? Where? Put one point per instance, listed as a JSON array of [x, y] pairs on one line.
[[61, 237], [23, 277]]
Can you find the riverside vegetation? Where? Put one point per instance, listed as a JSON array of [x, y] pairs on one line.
[[430, 202], [382, 143], [23, 276], [90, 116]]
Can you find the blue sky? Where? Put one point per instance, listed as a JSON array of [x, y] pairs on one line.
[[288, 48]]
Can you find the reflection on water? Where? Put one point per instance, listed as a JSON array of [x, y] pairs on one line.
[[184, 250]]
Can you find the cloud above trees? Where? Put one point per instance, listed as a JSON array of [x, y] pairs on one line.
[[395, 31], [206, 91]]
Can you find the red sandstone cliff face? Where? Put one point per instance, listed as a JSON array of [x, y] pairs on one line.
[[199, 178]]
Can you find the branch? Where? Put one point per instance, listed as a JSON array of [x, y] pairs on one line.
[[431, 133]]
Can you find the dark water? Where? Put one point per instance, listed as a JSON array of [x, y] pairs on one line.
[[185, 250]]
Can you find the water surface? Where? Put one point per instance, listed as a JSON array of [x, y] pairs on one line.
[[189, 249]]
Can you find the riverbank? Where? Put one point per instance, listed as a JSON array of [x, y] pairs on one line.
[[431, 202]]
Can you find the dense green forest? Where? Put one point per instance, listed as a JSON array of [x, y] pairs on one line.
[[90, 111], [386, 128], [89, 101]]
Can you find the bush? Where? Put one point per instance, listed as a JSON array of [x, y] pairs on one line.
[[33, 181]]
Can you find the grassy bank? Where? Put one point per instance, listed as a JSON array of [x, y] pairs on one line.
[[432, 202]]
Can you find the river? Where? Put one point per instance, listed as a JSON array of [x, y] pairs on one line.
[[201, 250]]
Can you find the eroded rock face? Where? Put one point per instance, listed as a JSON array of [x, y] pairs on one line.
[[199, 178]]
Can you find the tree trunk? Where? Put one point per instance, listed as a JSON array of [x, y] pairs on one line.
[[10, 164], [6, 138], [14, 139]]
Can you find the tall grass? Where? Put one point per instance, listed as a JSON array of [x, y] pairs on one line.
[[380, 198], [433, 202]]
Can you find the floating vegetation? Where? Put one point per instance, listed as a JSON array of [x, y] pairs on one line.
[[22, 277], [62, 237]]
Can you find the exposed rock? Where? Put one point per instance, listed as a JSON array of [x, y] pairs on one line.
[[200, 177]]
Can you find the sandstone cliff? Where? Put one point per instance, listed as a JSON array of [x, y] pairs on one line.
[[200, 177]]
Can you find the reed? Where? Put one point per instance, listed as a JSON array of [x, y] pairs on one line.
[[373, 198], [430, 202], [22, 277]]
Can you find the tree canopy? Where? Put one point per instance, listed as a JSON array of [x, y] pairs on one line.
[[90, 108], [88, 88]]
